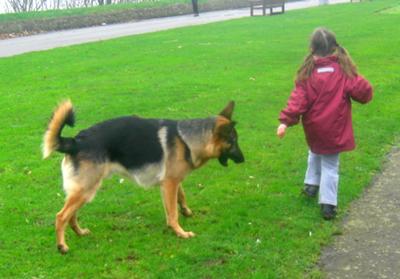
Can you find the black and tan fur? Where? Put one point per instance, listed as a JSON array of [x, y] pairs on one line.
[[150, 151]]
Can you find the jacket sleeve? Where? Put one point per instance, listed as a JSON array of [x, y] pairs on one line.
[[359, 89], [296, 106]]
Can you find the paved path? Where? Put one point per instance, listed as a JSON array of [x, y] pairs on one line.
[[10, 47], [369, 247]]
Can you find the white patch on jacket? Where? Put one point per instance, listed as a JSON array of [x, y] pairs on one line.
[[325, 70]]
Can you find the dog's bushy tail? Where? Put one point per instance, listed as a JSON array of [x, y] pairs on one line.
[[63, 115]]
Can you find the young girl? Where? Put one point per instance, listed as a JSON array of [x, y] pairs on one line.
[[325, 85]]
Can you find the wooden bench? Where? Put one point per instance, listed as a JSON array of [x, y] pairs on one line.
[[274, 6]]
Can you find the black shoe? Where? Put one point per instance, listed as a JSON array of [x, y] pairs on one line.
[[328, 211], [310, 190]]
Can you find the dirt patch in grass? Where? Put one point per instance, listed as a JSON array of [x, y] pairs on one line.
[[215, 262], [128, 258], [394, 10]]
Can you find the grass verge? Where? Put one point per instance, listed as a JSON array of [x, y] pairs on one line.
[[22, 24], [85, 11]]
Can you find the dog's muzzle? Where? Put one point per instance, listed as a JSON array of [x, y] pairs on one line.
[[235, 154]]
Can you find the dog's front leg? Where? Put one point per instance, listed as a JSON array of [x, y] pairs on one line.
[[169, 189], [186, 211]]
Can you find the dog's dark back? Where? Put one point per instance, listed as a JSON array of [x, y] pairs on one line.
[[130, 141]]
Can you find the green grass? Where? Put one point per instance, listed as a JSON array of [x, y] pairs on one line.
[[250, 220]]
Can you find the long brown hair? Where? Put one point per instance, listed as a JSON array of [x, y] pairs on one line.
[[323, 43]]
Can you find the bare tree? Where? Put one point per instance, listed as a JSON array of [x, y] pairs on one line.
[[38, 5], [26, 5]]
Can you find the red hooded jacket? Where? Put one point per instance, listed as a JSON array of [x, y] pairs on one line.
[[324, 103]]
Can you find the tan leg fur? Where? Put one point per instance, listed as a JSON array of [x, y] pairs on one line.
[[169, 189]]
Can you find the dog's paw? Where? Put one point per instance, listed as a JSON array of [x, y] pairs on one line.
[[184, 234], [186, 212], [62, 248], [84, 232]]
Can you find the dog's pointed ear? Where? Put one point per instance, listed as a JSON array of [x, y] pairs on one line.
[[228, 110]]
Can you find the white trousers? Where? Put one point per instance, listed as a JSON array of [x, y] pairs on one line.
[[323, 171]]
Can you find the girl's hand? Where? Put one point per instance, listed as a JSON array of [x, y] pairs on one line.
[[280, 132]]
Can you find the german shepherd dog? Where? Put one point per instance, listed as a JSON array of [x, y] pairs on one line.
[[149, 151]]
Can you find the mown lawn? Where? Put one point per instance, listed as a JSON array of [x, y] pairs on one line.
[[250, 219]]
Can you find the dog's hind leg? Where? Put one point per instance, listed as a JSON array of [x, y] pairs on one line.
[[169, 189], [185, 210], [73, 222], [73, 203], [81, 182]]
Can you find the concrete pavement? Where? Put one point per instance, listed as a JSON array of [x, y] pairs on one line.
[[15, 46], [368, 247]]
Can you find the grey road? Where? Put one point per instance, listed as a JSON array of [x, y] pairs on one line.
[[15, 46]]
